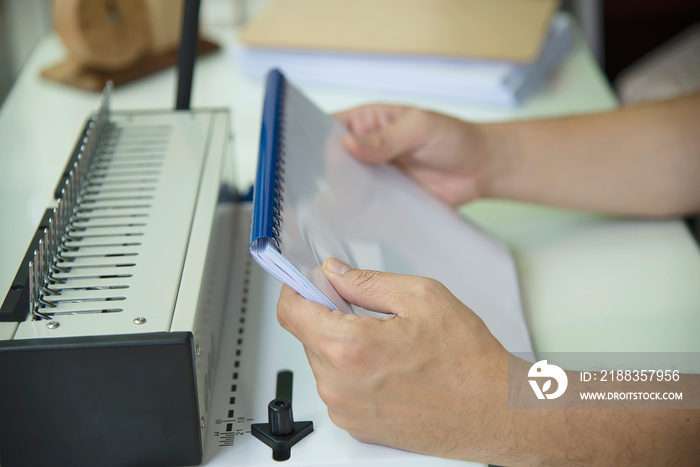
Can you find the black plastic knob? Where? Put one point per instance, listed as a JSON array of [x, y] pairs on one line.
[[279, 415], [281, 432]]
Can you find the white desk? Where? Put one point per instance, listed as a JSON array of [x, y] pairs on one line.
[[588, 282]]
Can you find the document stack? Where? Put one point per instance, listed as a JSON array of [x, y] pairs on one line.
[[313, 200], [495, 52]]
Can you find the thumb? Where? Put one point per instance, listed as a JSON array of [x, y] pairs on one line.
[[384, 144], [382, 292]]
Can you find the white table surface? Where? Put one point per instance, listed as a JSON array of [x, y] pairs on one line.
[[589, 283]]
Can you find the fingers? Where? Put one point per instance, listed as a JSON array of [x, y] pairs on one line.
[[381, 291], [297, 315], [381, 133], [376, 291], [387, 143], [308, 321], [368, 118]]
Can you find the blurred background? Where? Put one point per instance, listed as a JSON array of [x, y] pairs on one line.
[[22, 24], [619, 32]]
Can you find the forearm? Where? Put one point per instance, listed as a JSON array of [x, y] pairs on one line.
[[566, 431], [641, 160], [610, 437]]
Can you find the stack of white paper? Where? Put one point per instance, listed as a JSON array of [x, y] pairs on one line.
[[478, 81]]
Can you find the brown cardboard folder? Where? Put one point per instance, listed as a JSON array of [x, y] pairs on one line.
[[512, 30]]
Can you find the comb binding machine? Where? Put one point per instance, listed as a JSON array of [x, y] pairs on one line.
[[113, 320]]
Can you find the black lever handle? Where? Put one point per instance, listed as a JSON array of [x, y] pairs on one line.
[[281, 432]]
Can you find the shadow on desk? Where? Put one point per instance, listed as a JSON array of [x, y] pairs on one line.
[[693, 224]]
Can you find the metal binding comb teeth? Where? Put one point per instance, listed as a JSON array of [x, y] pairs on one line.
[[43, 268]]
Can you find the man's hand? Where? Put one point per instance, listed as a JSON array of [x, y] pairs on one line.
[[450, 158], [432, 379], [429, 379], [641, 160]]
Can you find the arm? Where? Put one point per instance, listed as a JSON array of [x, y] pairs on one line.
[[641, 160], [434, 380], [573, 431]]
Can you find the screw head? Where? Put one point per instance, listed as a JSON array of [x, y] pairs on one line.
[[203, 423], [197, 349], [53, 324], [140, 320]]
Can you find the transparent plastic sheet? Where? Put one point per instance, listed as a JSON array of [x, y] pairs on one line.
[[374, 217]]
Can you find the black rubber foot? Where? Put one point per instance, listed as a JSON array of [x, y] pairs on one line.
[[281, 432], [281, 444]]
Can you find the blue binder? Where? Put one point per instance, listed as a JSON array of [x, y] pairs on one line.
[[268, 179], [313, 200]]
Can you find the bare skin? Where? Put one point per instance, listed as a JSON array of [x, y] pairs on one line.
[[432, 379], [639, 161]]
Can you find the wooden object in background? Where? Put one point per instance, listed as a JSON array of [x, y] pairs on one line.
[[116, 40]]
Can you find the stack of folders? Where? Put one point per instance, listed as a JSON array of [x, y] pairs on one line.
[[312, 200], [496, 52]]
